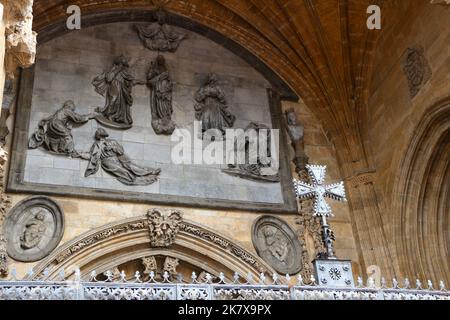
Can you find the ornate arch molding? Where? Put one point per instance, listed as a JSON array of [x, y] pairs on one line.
[[113, 244], [421, 224]]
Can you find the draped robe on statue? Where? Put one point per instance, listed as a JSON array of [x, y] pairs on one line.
[[211, 108], [55, 132], [116, 86], [109, 154], [161, 94]]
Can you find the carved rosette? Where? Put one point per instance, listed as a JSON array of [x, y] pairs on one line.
[[163, 228], [5, 204], [20, 38]]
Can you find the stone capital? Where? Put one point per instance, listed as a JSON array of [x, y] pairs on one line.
[[20, 38]]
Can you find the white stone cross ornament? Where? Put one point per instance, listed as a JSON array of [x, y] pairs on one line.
[[317, 190]]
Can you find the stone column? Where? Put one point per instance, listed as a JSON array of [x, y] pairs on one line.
[[17, 49], [367, 216]]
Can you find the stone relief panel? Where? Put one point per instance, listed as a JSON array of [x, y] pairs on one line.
[[33, 228], [277, 244], [63, 73], [416, 68]]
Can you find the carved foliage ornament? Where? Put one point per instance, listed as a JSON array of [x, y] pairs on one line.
[[20, 38], [163, 228], [416, 69]]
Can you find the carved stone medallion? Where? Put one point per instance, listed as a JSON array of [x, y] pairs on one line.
[[277, 244], [33, 228]]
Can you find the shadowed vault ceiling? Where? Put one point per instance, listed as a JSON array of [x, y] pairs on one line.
[[321, 48]]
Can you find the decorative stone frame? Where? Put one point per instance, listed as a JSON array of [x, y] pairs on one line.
[[116, 243], [15, 213], [16, 181], [288, 232]]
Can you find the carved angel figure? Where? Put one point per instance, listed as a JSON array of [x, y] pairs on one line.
[[159, 36], [163, 228], [34, 231], [110, 155], [55, 132], [211, 106]]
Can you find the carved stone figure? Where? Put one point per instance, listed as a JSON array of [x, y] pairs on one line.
[[116, 86], [296, 134], [20, 38], [33, 228], [34, 231], [163, 228], [149, 264], [159, 36], [211, 107], [170, 265], [160, 84], [55, 132], [276, 243], [416, 68], [110, 155], [248, 170]]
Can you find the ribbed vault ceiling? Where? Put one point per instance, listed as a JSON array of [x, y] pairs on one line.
[[320, 48]]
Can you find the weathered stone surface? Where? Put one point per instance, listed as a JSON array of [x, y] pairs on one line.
[[33, 228], [277, 244]]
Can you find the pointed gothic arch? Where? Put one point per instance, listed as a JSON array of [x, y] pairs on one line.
[[422, 198]]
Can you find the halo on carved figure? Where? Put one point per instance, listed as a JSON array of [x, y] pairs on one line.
[[33, 228], [277, 244]]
